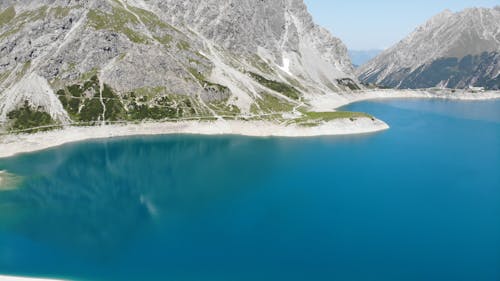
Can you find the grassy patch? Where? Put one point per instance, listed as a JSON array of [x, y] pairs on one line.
[[270, 104], [260, 64], [18, 22], [7, 15], [165, 39], [279, 87], [183, 45], [147, 93], [122, 56], [4, 75], [31, 16], [150, 19], [207, 85], [294, 83], [198, 75], [89, 74], [119, 21], [224, 108], [60, 12], [26, 67], [313, 119], [329, 116]]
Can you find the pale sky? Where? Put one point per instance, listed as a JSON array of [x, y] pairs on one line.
[[371, 24]]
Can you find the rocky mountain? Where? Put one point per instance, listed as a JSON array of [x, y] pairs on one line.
[[93, 61], [454, 50]]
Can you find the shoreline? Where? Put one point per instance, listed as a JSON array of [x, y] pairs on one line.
[[16, 278], [13, 144], [328, 102]]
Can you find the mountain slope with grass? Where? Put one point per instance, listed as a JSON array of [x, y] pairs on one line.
[[100, 61]]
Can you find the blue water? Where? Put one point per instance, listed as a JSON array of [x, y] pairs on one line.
[[418, 202]]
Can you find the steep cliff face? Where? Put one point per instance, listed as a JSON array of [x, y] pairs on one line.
[[450, 50], [244, 26], [108, 60]]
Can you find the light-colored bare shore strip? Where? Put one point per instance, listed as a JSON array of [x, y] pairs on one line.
[[327, 102], [21, 143], [14, 278]]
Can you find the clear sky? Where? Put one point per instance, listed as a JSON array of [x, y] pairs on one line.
[[372, 24]]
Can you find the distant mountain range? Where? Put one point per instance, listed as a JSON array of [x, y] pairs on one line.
[[453, 50], [360, 57]]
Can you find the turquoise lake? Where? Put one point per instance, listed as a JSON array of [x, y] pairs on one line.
[[420, 201]]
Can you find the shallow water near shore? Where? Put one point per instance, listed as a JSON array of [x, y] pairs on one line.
[[420, 201]]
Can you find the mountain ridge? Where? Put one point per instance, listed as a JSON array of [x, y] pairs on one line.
[[449, 50]]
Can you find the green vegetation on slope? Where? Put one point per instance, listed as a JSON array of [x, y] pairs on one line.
[[4, 75], [26, 118], [279, 87], [270, 104], [329, 116], [83, 102], [207, 84], [31, 16], [92, 110], [311, 119], [224, 108], [18, 21], [119, 21], [150, 19], [60, 12], [260, 64], [164, 39], [114, 107], [183, 45], [164, 107], [7, 15]]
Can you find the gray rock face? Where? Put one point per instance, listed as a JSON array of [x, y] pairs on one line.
[[201, 51], [451, 50], [243, 26]]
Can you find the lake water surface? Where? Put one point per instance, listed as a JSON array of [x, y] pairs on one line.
[[418, 202]]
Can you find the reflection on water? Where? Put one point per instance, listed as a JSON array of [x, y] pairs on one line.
[[418, 202], [99, 200], [8, 181]]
